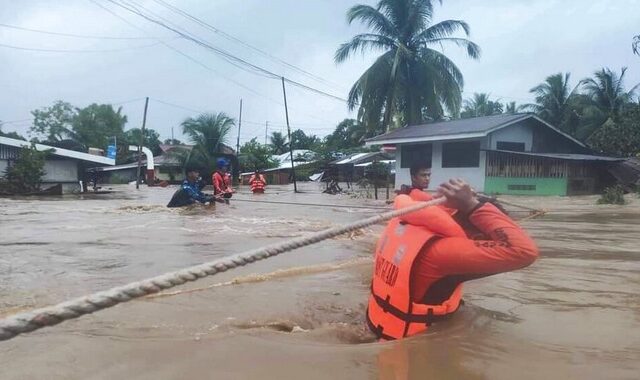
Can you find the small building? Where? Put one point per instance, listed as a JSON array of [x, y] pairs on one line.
[[167, 166], [281, 175], [500, 154], [62, 166], [352, 168]]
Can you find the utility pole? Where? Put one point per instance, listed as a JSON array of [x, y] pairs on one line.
[[286, 112], [239, 125], [173, 139], [144, 122], [266, 131]]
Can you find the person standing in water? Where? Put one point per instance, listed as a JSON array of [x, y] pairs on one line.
[[422, 259], [190, 191], [257, 182], [220, 188]]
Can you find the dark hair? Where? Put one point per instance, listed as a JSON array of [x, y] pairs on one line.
[[416, 168], [189, 169]]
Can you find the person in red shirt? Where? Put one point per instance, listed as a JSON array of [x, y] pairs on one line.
[[220, 187], [423, 258]]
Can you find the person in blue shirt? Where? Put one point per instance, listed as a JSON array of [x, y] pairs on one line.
[[190, 191]]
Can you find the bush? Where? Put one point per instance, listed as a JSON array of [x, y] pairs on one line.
[[613, 195], [25, 175]]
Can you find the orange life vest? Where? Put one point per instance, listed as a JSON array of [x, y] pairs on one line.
[[391, 314], [257, 183]]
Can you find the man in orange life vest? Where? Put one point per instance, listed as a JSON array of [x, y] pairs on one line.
[[220, 188], [257, 182], [422, 258]]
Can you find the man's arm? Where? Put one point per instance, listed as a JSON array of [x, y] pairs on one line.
[[506, 248], [195, 194]]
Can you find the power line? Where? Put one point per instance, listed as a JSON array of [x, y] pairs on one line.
[[76, 51], [175, 50], [73, 35], [237, 40], [234, 60]]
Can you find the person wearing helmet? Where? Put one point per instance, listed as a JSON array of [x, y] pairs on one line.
[[190, 192], [220, 187]]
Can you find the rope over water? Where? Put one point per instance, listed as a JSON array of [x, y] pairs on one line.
[[49, 316]]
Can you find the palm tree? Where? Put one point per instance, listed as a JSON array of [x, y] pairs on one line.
[[511, 108], [411, 80], [607, 93], [481, 105], [279, 143], [208, 132], [636, 44], [555, 102]]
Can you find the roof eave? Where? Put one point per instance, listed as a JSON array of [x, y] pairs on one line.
[[409, 140], [59, 151]]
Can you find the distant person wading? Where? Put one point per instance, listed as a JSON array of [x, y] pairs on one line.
[[221, 186], [257, 182], [190, 191]]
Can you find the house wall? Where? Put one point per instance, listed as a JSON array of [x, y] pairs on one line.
[[519, 133], [525, 186], [474, 176], [3, 166], [60, 171]]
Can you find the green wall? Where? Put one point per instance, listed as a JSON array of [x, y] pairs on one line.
[[544, 186]]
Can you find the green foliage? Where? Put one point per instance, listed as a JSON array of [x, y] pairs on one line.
[[25, 175], [555, 102], [412, 80], [208, 133], [303, 141], [480, 105], [256, 156], [11, 135], [151, 139], [97, 125], [279, 143], [172, 142], [613, 195], [54, 123], [621, 138], [116, 178], [348, 134]]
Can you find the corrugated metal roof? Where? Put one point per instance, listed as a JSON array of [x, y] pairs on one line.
[[474, 126], [59, 151], [562, 156]]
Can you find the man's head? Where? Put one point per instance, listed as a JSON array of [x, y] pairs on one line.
[[192, 173], [420, 176]]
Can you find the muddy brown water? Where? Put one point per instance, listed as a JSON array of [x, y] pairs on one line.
[[574, 314]]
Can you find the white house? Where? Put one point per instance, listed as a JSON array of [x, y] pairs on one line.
[[61, 167], [501, 154]]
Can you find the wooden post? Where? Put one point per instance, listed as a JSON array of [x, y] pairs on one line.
[[286, 112], [144, 122], [239, 125]]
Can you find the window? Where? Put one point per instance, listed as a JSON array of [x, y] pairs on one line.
[[522, 187], [461, 154], [415, 155], [511, 146]]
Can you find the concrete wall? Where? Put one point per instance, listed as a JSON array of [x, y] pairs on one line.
[[542, 186], [475, 176], [519, 133], [57, 171]]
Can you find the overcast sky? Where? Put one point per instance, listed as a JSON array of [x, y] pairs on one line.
[[522, 42]]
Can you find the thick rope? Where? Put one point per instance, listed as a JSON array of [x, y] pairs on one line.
[[52, 315]]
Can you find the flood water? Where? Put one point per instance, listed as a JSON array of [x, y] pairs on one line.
[[574, 314]]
